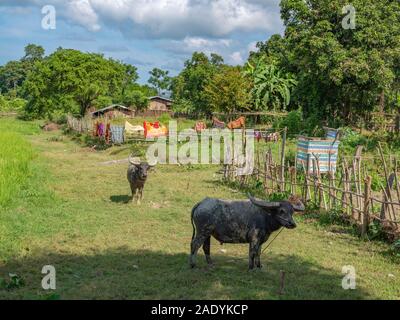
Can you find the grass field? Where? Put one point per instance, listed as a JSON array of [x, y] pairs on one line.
[[73, 213]]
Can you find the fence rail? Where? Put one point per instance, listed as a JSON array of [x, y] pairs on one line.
[[349, 188]]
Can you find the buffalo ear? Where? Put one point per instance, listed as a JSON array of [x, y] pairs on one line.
[[264, 204], [296, 204]]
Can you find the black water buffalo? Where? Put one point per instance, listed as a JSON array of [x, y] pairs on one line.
[[137, 175], [249, 221]]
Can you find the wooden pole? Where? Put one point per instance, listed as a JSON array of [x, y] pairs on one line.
[[283, 157], [367, 199]]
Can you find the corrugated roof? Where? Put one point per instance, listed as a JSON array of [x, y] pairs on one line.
[[110, 107], [161, 97]]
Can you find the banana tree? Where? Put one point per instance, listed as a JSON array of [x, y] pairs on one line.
[[271, 88]]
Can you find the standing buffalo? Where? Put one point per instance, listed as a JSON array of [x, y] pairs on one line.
[[137, 175], [249, 221]]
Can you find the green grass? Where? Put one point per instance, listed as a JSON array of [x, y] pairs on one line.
[[73, 214], [15, 156]]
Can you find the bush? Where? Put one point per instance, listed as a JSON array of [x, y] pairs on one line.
[[3, 104], [12, 104], [375, 231], [350, 139], [293, 121], [164, 118], [335, 216], [396, 248], [279, 196], [312, 126], [17, 104], [58, 117], [183, 106]]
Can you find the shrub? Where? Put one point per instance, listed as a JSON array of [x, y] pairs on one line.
[[58, 117], [293, 121], [164, 118], [279, 196], [334, 216], [375, 231], [396, 248], [3, 103], [12, 104], [16, 104]]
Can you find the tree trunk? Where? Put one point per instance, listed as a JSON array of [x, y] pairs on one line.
[[382, 102]]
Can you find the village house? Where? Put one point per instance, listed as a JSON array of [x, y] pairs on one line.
[[159, 103], [113, 111]]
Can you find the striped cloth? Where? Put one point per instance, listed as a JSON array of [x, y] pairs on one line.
[[117, 134], [324, 151]]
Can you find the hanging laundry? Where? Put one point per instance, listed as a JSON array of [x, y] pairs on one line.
[[117, 134], [100, 130], [154, 130]]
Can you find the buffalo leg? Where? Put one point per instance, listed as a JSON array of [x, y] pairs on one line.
[[206, 249], [197, 242], [141, 194], [258, 258], [253, 250], [133, 190]]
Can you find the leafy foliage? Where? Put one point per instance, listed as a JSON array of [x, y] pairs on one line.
[[72, 81], [341, 73], [14, 73], [159, 79], [228, 90], [271, 88], [14, 282], [189, 85], [293, 121]]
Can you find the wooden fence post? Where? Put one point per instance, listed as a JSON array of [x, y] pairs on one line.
[[367, 199], [283, 158]]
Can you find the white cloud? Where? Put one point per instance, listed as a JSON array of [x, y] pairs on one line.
[[81, 11], [174, 19], [180, 18], [236, 58], [252, 46], [190, 44], [198, 43]]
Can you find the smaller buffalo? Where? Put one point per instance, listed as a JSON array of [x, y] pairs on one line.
[[137, 175], [250, 221]]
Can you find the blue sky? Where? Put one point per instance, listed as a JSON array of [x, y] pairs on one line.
[[145, 33]]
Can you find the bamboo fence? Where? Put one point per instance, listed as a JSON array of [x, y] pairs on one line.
[[348, 189]]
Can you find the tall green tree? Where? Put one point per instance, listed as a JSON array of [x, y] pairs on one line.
[[33, 53], [341, 71], [228, 90], [188, 87], [159, 79], [14, 73], [137, 96], [71, 81]]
